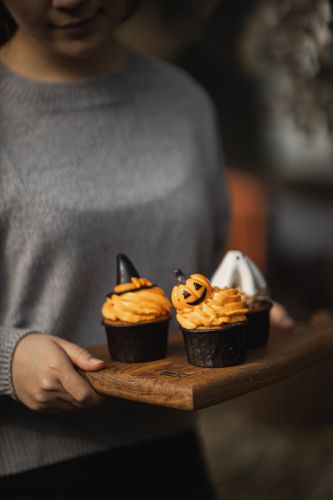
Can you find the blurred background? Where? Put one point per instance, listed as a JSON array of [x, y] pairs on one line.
[[268, 66]]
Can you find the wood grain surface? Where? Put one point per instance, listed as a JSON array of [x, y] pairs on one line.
[[172, 382]]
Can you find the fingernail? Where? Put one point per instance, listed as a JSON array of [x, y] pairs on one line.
[[287, 322], [95, 360]]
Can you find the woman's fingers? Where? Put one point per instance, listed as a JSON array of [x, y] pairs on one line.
[[79, 356], [81, 392], [59, 405], [60, 400], [322, 317], [280, 318], [45, 379]]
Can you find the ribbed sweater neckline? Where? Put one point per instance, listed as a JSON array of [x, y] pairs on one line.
[[88, 92]]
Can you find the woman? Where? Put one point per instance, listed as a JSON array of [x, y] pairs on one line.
[[102, 150]]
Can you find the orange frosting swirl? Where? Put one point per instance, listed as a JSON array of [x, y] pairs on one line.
[[137, 305], [224, 306]]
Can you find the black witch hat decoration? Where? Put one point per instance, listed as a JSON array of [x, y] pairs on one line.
[[125, 272], [125, 269]]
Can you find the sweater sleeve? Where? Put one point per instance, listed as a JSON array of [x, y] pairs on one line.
[[9, 338], [10, 245]]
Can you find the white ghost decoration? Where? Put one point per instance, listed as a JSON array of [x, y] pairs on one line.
[[237, 270]]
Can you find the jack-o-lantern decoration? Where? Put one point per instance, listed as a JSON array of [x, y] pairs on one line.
[[190, 290], [128, 278]]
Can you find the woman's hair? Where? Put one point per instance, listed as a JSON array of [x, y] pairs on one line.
[[132, 5], [8, 26]]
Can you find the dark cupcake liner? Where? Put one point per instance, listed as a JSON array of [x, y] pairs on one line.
[[216, 348], [258, 326], [138, 342]]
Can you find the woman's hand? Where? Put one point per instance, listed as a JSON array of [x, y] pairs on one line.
[[322, 317], [45, 378], [280, 318]]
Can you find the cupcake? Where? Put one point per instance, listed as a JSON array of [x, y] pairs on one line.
[[239, 271], [212, 320], [136, 316]]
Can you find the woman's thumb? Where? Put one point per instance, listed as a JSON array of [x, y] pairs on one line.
[[280, 318], [79, 356]]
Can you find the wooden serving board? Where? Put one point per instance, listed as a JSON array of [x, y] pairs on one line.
[[174, 383]]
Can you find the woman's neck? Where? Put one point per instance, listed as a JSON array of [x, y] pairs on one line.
[[28, 58]]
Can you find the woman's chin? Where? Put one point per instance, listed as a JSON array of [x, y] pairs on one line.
[[78, 49]]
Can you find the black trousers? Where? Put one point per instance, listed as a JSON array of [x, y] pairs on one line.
[[168, 468]]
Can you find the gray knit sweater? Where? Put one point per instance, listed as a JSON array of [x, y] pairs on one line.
[[124, 162]]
